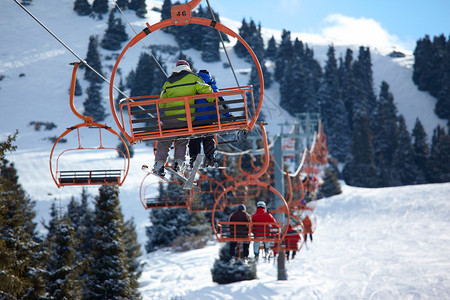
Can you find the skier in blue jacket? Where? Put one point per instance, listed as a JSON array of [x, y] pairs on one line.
[[209, 146]]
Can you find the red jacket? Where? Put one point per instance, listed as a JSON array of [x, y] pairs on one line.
[[292, 238], [262, 216], [307, 225]]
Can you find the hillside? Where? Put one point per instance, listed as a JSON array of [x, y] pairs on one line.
[[389, 243], [370, 243]]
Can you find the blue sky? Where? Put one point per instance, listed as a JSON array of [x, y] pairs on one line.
[[404, 21]]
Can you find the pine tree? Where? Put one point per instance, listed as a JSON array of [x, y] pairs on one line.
[[361, 170], [100, 6], [271, 50], [210, 46], [168, 223], [226, 271], [78, 90], [133, 252], [123, 4], [62, 267], [239, 49], [349, 85], [82, 218], [334, 114], [284, 55], [139, 6], [404, 168], [108, 271], [22, 256], [421, 149], [364, 75], [165, 11], [93, 60], [385, 134], [115, 34], [330, 185], [422, 63], [93, 105], [82, 7], [439, 160]]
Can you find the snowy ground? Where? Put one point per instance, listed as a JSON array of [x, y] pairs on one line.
[[391, 243]]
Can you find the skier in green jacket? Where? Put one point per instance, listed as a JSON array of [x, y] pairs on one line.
[[181, 82]]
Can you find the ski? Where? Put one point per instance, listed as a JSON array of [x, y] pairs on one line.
[[176, 174], [190, 182], [146, 169]]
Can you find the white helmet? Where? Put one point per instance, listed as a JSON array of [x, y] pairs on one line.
[[261, 204]]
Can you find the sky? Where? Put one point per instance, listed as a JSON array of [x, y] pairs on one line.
[[402, 22]]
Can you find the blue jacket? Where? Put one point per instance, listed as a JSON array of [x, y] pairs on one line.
[[207, 79]]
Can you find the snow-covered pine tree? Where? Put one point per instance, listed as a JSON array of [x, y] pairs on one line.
[[385, 131], [100, 6], [133, 252], [227, 271], [123, 4], [115, 34], [210, 45], [404, 168], [93, 105], [284, 55], [422, 66], [333, 112], [439, 160], [349, 87], [62, 267], [78, 90], [239, 49], [139, 6], [421, 148], [22, 255], [168, 223], [108, 276], [82, 218], [93, 59], [330, 186], [361, 170], [82, 7], [364, 74], [271, 50]]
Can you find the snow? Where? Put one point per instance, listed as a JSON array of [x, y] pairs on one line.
[[370, 243], [390, 243]]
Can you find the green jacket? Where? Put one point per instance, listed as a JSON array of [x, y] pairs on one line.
[[183, 83]]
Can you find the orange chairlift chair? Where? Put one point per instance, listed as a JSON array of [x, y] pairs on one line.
[[139, 118], [154, 193], [272, 232], [106, 176], [205, 193]]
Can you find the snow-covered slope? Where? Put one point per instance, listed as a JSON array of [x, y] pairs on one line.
[[390, 243], [369, 243]]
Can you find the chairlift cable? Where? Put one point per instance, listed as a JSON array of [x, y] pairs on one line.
[[223, 44], [67, 47], [145, 45]]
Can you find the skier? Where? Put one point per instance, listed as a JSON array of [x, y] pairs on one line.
[[181, 82], [262, 231], [291, 240], [239, 231]]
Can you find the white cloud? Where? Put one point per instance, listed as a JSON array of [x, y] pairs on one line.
[[343, 30]]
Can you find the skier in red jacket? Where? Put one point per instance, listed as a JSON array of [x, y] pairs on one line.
[[307, 228], [262, 231], [291, 240]]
